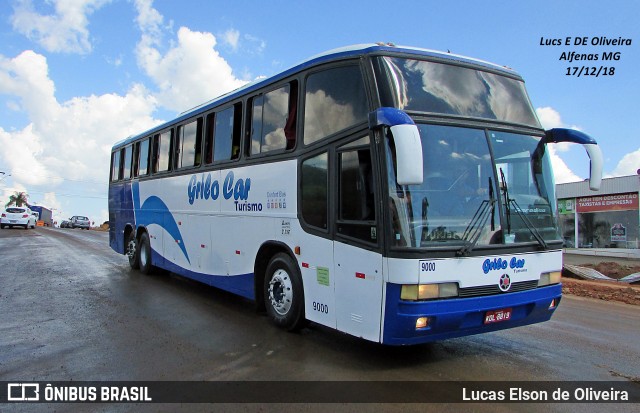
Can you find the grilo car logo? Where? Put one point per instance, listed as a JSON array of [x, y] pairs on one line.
[[208, 188], [504, 283], [500, 264]]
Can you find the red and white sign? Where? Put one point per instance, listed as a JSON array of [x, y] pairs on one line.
[[616, 202]]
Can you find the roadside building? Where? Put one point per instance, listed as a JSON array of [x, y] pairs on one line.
[[600, 219]]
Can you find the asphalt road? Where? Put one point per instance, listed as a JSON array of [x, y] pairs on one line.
[[71, 309]]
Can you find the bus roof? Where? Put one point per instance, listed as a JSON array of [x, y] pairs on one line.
[[346, 52]]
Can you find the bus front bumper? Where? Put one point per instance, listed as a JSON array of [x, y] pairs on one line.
[[459, 317]]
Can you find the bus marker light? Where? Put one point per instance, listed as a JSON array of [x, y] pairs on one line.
[[305, 265], [202, 246], [422, 322], [553, 304], [360, 275], [237, 252], [296, 250]]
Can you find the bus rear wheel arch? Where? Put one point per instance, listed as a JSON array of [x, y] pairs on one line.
[[283, 293]]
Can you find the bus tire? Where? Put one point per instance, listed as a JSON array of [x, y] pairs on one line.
[[283, 293], [144, 254], [133, 252]]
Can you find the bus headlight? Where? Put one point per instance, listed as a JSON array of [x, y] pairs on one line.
[[548, 278], [414, 292]]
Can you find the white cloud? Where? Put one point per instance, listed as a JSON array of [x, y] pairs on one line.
[[64, 141], [189, 73], [232, 38], [549, 117], [628, 165], [63, 31], [255, 44]]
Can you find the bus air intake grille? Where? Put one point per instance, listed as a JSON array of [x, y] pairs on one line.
[[494, 289]]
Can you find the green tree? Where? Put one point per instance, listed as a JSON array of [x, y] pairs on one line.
[[17, 199]]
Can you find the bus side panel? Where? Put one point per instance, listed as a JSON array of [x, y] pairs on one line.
[[358, 294], [120, 214], [210, 225], [318, 277]]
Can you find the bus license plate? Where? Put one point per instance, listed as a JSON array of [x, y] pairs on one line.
[[497, 316]]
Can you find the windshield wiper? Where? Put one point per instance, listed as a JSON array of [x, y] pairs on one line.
[[507, 210], [480, 217], [507, 204], [534, 231]]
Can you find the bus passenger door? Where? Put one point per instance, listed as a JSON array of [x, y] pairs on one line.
[[358, 290], [357, 260]]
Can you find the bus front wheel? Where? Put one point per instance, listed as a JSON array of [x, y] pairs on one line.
[[283, 293]]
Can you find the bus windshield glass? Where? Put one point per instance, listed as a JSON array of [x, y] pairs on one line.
[[430, 87], [464, 189]]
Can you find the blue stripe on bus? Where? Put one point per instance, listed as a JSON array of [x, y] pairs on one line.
[[155, 211], [241, 284], [461, 317]]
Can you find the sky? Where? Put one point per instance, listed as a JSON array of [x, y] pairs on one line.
[[76, 76]]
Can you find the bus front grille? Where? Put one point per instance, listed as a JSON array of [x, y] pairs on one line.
[[494, 289]]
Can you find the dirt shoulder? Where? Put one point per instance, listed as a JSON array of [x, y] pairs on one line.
[[602, 290]]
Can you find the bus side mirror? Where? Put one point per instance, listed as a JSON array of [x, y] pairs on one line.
[[406, 137], [408, 154], [590, 145]]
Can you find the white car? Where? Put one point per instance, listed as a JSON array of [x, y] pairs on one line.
[[17, 216]]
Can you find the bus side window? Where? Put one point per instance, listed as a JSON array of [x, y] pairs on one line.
[[188, 144], [314, 184], [162, 151], [269, 118], [223, 134], [115, 166], [126, 165], [143, 157], [335, 99], [356, 213]]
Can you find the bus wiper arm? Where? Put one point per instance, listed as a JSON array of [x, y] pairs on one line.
[[474, 229], [507, 207], [534, 231]]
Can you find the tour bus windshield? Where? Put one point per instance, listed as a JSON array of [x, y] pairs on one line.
[[459, 202], [430, 87]]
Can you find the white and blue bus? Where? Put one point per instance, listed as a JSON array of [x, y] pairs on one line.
[[396, 194]]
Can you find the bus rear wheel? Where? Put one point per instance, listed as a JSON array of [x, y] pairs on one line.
[[144, 254], [283, 293], [132, 251]]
